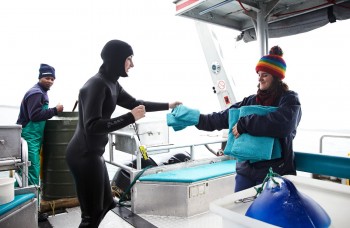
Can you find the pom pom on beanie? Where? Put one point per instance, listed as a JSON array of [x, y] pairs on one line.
[[273, 63]]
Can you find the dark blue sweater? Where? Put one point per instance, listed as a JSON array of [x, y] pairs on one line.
[[32, 106], [280, 124]]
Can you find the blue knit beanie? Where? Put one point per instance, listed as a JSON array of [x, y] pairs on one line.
[[46, 71]]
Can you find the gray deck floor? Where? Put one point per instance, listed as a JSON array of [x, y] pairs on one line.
[[71, 219]]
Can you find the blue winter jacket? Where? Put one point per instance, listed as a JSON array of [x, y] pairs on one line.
[[281, 124], [32, 106]]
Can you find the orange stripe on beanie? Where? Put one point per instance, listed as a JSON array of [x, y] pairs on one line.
[[273, 63]]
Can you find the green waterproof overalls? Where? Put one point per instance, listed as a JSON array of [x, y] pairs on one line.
[[33, 133]]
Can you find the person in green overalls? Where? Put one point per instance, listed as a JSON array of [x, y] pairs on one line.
[[34, 112]]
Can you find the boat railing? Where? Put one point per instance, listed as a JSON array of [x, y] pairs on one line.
[[331, 136], [323, 164], [156, 150], [314, 163], [13, 162], [151, 149]]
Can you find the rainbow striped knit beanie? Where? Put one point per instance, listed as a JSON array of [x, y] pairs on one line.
[[273, 63]]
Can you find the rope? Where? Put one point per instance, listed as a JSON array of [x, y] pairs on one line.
[[127, 191], [328, 2], [136, 131], [52, 205], [117, 191], [270, 176], [240, 3], [123, 197]]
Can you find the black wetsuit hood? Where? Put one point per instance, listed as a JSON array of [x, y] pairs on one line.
[[114, 54]]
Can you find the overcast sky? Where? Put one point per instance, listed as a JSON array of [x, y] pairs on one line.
[[169, 61]]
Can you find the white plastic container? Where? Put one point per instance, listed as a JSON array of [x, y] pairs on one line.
[[7, 190], [333, 197]]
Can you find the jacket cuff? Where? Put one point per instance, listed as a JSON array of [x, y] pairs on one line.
[[240, 128], [55, 111]]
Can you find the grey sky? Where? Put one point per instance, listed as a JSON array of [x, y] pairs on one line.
[[169, 62]]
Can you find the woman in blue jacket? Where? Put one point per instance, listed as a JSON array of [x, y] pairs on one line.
[[281, 124]]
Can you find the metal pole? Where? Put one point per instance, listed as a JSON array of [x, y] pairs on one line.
[[262, 29], [110, 144], [25, 161]]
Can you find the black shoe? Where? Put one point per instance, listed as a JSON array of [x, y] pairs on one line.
[[42, 217]]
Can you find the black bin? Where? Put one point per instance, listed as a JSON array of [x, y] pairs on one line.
[[56, 179]]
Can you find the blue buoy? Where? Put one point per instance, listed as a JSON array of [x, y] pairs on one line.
[[281, 204]]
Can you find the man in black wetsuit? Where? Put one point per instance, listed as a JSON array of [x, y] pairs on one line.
[[98, 99]]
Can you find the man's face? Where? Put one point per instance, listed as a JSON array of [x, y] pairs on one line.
[[47, 82]]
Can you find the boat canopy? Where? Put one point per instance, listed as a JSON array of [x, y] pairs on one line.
[[282, 17]]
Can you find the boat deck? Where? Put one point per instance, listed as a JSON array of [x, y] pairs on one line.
[[122, 217]]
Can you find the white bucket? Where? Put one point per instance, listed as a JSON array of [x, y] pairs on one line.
[[7, 190]]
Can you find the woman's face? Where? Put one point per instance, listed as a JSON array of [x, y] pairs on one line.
[[265, 80], [128, 64]]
